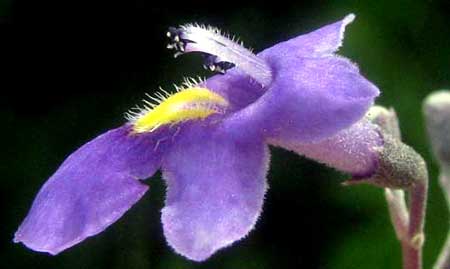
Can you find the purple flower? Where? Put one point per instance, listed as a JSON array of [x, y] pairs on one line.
[[210, 139]]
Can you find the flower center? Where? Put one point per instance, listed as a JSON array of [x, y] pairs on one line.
[[187, 104]]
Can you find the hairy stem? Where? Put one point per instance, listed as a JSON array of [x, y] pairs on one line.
[[402, 170], [412, 245], [398, 212]]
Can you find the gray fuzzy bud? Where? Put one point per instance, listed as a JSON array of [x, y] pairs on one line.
[[436, 109], [399, 166]]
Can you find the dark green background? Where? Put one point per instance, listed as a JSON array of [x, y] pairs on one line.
[[73, 68]]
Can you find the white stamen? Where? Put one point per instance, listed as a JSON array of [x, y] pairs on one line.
[[211, 41]]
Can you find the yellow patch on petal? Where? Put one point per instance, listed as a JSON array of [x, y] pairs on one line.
[[188, 104]]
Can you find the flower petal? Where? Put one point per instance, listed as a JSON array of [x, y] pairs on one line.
[[321, 42], [93, 188], [241, 90], [216, 186], [353, 150], [309, 100]]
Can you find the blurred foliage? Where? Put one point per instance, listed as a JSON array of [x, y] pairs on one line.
[[73, 68]]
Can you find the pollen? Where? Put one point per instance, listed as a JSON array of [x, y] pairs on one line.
[[190, 103]]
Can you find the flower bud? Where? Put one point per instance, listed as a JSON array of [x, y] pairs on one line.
[[386, 119], [399, 166], [436, 109]]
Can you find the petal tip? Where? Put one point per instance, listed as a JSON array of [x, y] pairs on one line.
[[346, 21], [202, 245], [31, 246], [32, 238], [20, 237], [349, 19]]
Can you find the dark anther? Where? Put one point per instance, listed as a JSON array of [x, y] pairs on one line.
[[176, 42], [174, 34], [214, 64]]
